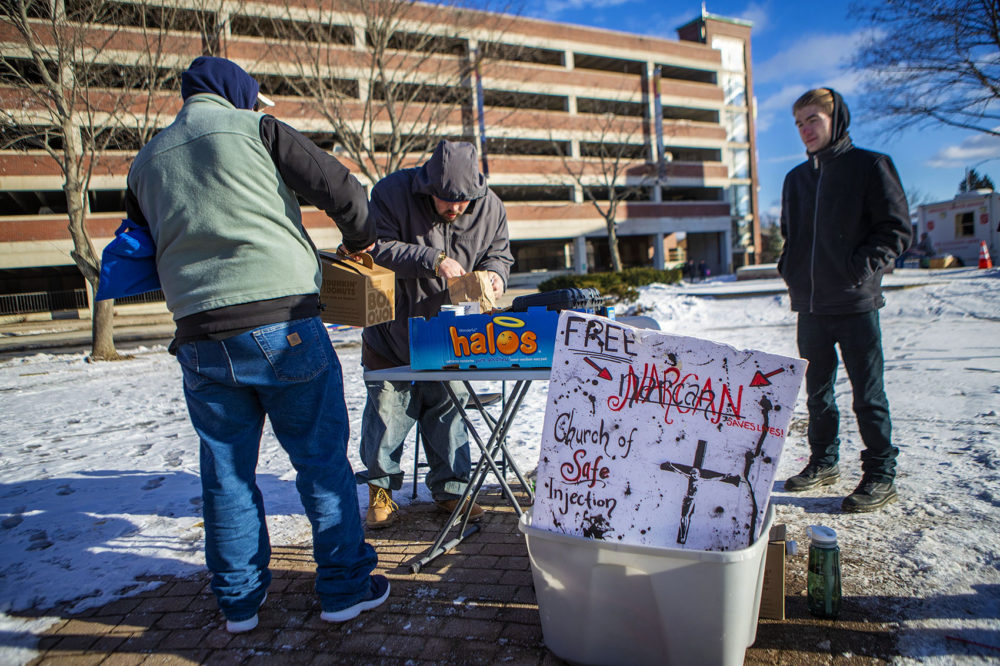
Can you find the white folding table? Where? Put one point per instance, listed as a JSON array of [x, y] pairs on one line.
[[494, 445]]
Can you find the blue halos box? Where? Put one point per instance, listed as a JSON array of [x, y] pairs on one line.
[[500, 340]]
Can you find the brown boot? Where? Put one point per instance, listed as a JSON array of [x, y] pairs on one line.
[[382, 511], [449, 505]]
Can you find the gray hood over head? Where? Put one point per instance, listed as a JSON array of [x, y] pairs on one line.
[[452, 173], [412, 235]]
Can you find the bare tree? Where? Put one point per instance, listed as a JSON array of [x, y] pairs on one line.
[[612, 166], [916, 197], [932, 61], [390, 78], [84, 82]]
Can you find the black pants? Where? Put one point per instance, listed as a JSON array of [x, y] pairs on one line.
[[860, 341]]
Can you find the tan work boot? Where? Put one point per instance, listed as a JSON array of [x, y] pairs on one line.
[[449, 505], [382, 511]]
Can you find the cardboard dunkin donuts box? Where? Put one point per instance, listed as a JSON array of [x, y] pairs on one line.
[[356, 294]]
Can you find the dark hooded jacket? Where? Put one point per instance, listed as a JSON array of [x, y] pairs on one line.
[[845, 219], [411, 235]]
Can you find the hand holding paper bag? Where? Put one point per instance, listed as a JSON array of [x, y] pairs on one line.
[[476, 287]]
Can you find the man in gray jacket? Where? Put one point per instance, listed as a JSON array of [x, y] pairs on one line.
[[433, 222]]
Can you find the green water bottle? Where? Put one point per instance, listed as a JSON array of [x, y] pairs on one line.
[[823, 582]]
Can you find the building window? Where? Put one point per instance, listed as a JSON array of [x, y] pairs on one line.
[[616, 107], [690, 154], [734, 87], [499, 145], [685, 74], [732, 53], [533, 192], [688, 113], [521, 53], [739, 201], [279, 28], [693, 194], [739, 163], [736, 127], [524, 100], [965, 225], [605, 64], [541, 255]]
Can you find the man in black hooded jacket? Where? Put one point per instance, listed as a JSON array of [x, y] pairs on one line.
[[845, 219]]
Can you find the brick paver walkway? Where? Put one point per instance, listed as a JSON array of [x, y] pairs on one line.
[[473, 605]]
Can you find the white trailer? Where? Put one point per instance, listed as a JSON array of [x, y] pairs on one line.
[[959, 226]]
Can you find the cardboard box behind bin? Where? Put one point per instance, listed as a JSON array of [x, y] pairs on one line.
[[356, 294], [947, 261], [772, 595]]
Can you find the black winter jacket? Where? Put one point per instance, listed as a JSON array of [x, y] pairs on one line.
[[845, 219]]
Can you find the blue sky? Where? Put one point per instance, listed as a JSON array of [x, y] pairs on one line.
[[797, 46]]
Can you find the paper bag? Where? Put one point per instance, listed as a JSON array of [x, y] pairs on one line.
[[475, 287]]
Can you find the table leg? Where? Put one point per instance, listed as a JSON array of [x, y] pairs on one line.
[[498, 432], [495, 444]]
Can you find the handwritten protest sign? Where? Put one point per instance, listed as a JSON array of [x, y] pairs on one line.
[[658, 439]]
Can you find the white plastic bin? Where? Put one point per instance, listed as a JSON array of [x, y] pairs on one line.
[[608, 603]]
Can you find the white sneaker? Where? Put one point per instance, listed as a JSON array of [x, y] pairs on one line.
[[243, 626], [377, 594]]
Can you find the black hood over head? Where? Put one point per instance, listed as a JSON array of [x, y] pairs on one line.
[[221, 77], [841, 117], [452, 173]]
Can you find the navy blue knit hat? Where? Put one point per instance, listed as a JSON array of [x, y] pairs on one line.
[[222, 77]]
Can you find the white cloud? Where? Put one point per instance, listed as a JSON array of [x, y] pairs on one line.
[[657, 24], [815, 56], [552, 8], [976, 148], [758, 14], [777, 107], [779, 159]]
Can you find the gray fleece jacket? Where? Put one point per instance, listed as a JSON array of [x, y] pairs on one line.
[[411, 234]]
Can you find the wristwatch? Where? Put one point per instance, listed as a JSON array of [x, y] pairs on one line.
[[437, 263]]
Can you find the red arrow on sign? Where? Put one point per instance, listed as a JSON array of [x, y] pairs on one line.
[[761, 379], [601, 372]]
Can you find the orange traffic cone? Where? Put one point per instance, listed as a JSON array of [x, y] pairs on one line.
[[984, 256]]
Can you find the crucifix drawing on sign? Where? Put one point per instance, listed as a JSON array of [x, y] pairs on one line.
[[695, 473]]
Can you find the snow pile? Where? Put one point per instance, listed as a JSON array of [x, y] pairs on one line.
[[99, 464]]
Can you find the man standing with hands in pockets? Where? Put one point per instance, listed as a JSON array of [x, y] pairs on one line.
[[845, 219]]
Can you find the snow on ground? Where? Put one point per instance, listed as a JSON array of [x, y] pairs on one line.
[[99, 464]]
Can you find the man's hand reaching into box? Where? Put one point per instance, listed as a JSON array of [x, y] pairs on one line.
[[353, 256]]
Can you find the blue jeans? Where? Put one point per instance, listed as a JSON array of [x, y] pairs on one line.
[[390, 413], [860, 339], [290, 373]]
